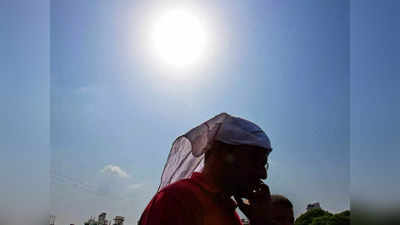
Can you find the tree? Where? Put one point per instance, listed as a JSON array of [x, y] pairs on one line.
[[321, 217], [344, 213], [342, 218], [321, 220], [307, 217]]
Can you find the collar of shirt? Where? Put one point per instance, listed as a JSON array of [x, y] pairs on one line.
[[214, 191]]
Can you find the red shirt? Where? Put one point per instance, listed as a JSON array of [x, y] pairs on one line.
[[193, 201]]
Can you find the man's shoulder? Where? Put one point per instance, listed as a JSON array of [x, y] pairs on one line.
[[186, 190], [175, 202], [183, 192], [185, 186]]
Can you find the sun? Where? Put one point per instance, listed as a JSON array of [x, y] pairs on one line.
[[179, 38]]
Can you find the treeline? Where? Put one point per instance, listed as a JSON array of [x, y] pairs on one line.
[[322, 217]]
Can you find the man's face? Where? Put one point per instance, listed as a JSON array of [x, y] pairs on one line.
[[248, 167], [282, 215]]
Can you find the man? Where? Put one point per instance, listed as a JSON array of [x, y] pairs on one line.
[[281, 210], [225, 156]]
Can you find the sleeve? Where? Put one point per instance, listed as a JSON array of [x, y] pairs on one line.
[[165, 209]]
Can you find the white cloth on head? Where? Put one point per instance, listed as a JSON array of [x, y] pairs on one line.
[[187, 152]]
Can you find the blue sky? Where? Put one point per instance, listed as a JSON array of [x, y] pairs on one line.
[[24, 112], [84, 91], [375, 104], [284, 66]]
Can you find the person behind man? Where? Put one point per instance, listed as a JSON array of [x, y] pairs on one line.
[[223, 157], [281, 210]]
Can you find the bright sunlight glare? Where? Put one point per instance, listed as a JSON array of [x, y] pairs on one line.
[[179, 38]]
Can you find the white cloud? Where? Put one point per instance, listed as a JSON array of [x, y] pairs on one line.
[[134, 186], [115, 170]]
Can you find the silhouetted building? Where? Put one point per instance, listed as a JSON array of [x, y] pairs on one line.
[[314, 205], [119, 220], [52, 219], [102, 219]]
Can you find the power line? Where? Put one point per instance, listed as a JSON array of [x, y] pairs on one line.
[[84, 186]]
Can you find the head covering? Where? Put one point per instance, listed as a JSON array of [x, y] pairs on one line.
[[187, 152]]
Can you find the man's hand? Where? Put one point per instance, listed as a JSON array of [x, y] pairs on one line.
[[259, 208]]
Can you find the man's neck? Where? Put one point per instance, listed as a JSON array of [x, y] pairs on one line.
[[218, 181]]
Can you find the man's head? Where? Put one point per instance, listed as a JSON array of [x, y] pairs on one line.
[[281, 210], [239, 146], [240, 167]]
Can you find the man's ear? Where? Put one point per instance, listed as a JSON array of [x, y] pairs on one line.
[[230, 159]]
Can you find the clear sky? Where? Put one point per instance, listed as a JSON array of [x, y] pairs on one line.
[[282, 65], [110, 109], [375, 108], [24, 112]]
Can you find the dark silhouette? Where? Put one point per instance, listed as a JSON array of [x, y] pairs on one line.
[[235, 155]]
